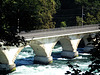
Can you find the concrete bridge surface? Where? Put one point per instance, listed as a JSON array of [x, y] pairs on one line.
[[43, 41]]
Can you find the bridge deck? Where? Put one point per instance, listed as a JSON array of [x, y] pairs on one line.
[[60, 31]]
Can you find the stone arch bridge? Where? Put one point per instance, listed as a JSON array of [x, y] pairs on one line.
[[43, 41]]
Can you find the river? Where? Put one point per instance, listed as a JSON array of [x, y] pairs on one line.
[[25, 66]]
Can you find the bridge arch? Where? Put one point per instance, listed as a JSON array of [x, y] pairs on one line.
[[42, 55], [16, 54], [68, 50], [6, 61], [83, 42], [35, 45], [85, 38], [3, 58], [38, 48], [65, 43], [87, 42]]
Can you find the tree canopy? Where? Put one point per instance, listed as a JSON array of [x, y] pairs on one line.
[[71, 12], [24, 15]]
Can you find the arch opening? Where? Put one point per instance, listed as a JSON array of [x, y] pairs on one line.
[[56, 52], [85, 45], [81, 46], [63, 45], [25, 56]]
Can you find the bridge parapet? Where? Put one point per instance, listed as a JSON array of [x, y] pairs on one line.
[[96, 26], [46, 33]]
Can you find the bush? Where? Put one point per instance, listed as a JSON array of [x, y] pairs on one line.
[[63, 24]]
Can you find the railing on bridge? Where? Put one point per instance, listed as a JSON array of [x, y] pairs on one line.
[[96, 26]]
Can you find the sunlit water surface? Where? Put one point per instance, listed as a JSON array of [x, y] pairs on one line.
[[25, 66]]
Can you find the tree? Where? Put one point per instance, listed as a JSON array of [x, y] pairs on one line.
[[70, 9], [98, 16], [90, 19], [58, 4], [8, 25], [24, 15], [44, 11], [91, 10], [67, 12], [79, 20], [95, 65]]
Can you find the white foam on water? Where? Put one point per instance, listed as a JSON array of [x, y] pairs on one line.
[[62, 59], [84, 54], [26, 52], [27, 46], [57, 49], [55, 69], [23, 55], [40, 70], [79, 57]]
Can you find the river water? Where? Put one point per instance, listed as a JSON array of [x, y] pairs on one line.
[[25, 66]]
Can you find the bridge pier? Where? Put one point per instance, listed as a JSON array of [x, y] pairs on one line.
[[6, 63], [70, 46], [43, 49], [43, 60], [8, 56], [69, 54]]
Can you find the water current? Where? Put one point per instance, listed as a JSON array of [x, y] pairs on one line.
[[25, 65]]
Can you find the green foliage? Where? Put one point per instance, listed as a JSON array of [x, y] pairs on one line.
[[90, 9], [81, 2], [90, 19], [43, 14], [79, 20], [44, 10], [70, 9], [25, 15], [98, 16], [63, 24], [58, 4]]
